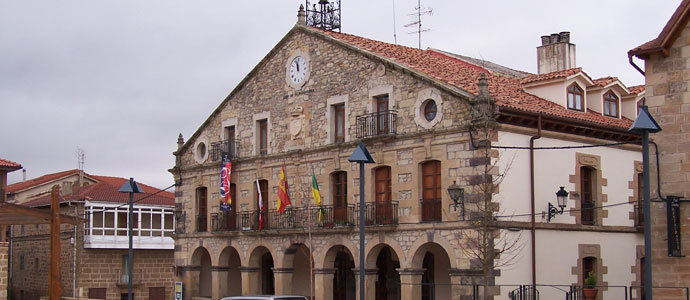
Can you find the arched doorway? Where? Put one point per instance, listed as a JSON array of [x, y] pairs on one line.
[[231, 278], [344, 278], [387, 286], [266, 275], [297, 258], [435, 261], [261, 282], [202, 259]]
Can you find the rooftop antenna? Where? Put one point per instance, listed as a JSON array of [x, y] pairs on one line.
[[81, 154], [420, 11], [395, 36]]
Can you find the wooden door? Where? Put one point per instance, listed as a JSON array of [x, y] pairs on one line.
[[231, 216], [383, 206], [342, 267], [340, 197], [587, 182], [202, 209], [431, 191], [381, 114]]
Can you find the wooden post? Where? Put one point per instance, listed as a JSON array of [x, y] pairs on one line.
[[55, 289]]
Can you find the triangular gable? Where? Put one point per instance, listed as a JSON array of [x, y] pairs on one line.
[[668, 34]]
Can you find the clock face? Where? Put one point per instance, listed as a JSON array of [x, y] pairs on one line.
[[298, 70]]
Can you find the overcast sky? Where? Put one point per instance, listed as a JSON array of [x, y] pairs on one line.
[[121, 79]]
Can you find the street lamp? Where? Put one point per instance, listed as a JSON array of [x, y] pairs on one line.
[[361, 156], [130, 187], [562, 200], [457, 194]]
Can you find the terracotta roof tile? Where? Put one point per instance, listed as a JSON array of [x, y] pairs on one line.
[[637, 89], [39, 180], [604, 81], [552, 75], [507, 90], [105, 192], [9, 164]]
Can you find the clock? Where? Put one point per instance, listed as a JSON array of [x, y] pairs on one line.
[[298, 70]]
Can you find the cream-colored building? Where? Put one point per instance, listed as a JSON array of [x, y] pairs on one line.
[[317, 94]]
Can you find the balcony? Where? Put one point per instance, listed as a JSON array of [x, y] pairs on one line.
[[231, 146], [298, 218], [107, 226], [375, 124]]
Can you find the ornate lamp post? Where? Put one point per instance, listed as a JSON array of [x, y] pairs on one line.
[[562, 200], [457, 194]]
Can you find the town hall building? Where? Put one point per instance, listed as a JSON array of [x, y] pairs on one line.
[[433, 121]]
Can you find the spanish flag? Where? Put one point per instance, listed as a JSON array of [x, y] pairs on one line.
[[283, 194], [317, 195]]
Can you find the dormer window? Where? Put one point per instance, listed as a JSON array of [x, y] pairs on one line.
[[575, 95], [611, 104]]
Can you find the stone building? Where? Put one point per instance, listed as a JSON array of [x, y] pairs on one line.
[[667, 74], [317, 94], [94, 256]]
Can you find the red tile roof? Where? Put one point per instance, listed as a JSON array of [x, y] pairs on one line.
[[507, 90], [105, 192], [604, 81], [636, 89], [668, 34], [552, 75], [7, 164], [39, 180], [113, 181]]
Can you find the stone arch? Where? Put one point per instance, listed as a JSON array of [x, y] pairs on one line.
[[250, 260], [416, 254], [230, 277], [435, 264], [386, 261], [296, 262], [261, 262], [339, 261], [201, 279], [372, 251], [327, 258]]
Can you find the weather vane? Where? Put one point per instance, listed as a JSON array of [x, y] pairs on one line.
[[325, 16]]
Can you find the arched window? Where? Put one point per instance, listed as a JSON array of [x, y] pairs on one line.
[[575, 96], [610, 104], [587, 197], [430, 110]]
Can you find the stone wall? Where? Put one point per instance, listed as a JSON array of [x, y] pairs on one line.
[[4, 272], [669, 103]]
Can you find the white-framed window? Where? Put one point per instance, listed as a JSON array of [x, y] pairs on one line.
[[107, 226]]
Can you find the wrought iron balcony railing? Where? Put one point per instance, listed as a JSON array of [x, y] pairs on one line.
[[298, 217], [378, 123], [201, 223], [217, 148]]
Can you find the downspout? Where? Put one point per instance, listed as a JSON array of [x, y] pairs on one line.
[[532, 211], [74, 263]]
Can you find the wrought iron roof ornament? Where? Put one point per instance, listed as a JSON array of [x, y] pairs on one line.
[[325, 16]]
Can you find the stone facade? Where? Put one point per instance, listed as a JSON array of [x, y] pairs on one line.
[[667, 79], [410, 253]]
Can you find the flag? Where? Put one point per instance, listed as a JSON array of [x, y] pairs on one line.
[[283, 194], [316, 194], [261, 206], [225, 171]]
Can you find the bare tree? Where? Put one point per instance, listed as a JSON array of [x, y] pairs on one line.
[[485, 243]]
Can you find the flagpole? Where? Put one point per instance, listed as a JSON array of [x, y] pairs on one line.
[[311, 245]]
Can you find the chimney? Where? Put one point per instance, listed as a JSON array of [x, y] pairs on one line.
[[23, 174], [556, 53], [180, 142]]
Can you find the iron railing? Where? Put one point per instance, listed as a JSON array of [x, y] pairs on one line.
[[431, 210], [298, 217], [201, 223], [217, 148], [524, 292], [378, 123]]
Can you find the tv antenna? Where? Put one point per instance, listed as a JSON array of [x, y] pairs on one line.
[[81, 155], [428, 11]]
